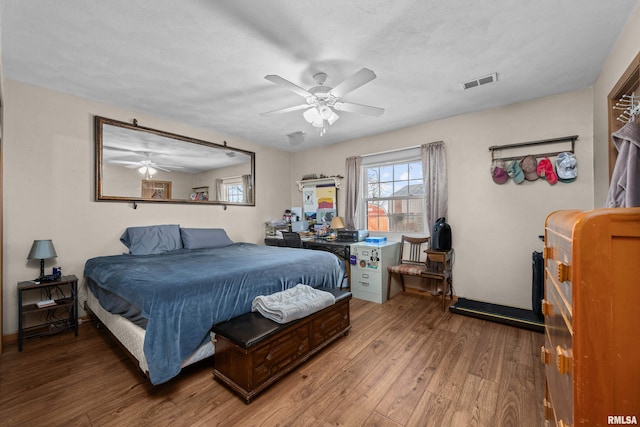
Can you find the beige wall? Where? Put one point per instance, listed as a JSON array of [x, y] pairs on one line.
[[49, 187], [495, 228], [625, 49], [48, 181]]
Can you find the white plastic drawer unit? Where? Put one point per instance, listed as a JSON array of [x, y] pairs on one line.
[[369, 264]]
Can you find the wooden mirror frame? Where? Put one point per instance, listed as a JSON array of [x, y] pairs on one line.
[[212, 159]]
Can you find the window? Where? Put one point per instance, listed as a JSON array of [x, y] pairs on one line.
[[393, 193], [233, 190]]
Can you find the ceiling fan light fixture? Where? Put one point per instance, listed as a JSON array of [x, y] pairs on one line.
[[312, 116], [147, 171], [332, 117], [328, 114]]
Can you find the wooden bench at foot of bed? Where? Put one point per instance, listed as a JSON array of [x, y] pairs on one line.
[[253, 352]]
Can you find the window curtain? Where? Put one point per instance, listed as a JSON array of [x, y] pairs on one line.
[[246, 189], [218, 188], [353, 189], [434, 173]]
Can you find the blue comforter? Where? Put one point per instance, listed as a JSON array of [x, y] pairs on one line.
[[184, 293]]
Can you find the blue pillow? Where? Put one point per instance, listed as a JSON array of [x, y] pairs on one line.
[[200, 238], [153, 239]]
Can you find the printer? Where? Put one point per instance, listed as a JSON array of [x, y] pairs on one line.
[[345, 235]]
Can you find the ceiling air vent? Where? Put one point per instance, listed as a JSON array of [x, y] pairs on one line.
[[479, 81]]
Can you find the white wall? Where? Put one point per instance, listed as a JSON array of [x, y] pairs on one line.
[[49, 187], [623, 52], [495, 228]]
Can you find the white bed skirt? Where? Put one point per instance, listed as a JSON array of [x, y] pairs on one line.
[[131, 336]]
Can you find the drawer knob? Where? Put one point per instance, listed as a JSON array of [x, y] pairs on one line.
[[547, 308], [548, 252], [545, 355], [564, 272], [563, 360]]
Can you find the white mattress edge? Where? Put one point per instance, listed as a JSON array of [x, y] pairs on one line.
[[131, 336]]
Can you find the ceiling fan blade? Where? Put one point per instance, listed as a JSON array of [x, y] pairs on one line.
[[161, 168], [167, 166], [358, 108], [123, 162], [286, 83], [360, 78], [286, 110]]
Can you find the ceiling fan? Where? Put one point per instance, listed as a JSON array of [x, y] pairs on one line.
[[323, 101]]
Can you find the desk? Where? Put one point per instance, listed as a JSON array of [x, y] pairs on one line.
[[341, 249]]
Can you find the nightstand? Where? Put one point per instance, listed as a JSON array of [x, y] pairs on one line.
[[439, 265], [63, 315]]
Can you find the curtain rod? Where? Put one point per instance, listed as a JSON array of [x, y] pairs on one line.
[[231, 177], [394, 151]]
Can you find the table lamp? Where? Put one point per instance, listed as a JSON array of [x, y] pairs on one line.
[[42, 249], [337, 223]]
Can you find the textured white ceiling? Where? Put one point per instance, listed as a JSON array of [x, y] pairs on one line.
[[203, 62]]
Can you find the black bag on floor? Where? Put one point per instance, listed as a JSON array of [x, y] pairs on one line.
[[537, 288]]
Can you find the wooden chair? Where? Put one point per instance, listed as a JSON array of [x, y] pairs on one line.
[[292, 239], [413, 260]]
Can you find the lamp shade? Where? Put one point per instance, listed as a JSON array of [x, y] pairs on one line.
[[42, 249], [337, 223]]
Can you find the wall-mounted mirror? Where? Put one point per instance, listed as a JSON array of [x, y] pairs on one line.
[[139, 164]]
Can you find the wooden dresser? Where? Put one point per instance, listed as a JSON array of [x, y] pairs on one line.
[[592, 317]]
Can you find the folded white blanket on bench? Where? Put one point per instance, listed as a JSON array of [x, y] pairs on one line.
[[291, 304]]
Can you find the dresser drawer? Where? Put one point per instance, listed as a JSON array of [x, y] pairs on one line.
[[558, 262], [557, 354], [555, 299]]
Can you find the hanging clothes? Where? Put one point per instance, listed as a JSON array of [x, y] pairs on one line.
[[624, 191]]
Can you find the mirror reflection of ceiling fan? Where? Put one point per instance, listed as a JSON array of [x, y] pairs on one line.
[[146, 167], [323, 101]]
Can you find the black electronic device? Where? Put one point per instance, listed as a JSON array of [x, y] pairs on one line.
[[351, 235], [48, 278], [441, 235]]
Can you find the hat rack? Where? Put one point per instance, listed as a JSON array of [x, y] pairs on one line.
[[630, 106], [495, 148]]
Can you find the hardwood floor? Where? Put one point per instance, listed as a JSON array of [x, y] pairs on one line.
[[404, 363]]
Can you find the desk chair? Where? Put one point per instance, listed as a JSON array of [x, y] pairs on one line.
[[413, 260], [292, 239]]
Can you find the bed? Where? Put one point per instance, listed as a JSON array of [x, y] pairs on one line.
[[161, 299]]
